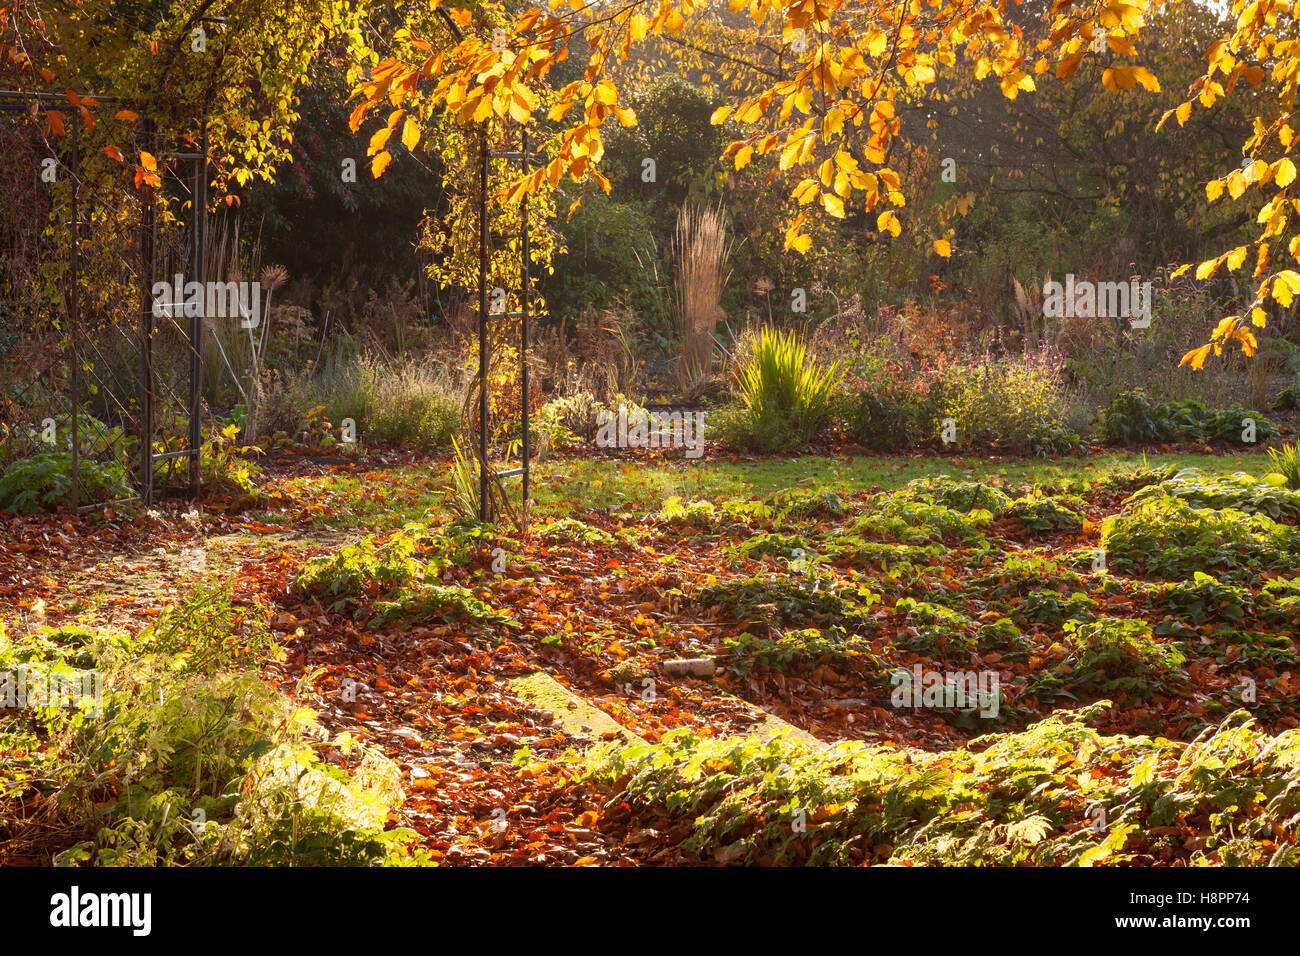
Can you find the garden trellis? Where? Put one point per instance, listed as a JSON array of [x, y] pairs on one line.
[[488, 476], [106, 373]]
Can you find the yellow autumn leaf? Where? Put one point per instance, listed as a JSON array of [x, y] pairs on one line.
[[793, 239], [1284, 172], [942, 247], [1146, 78], [378, 141], [833, 205], [1066, 68], [1286, 286], [410, 133], [380, 163], [1121, 44], [1196, 357], [1016, 81]]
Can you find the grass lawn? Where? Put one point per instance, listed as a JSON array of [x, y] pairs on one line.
[[387, 498]]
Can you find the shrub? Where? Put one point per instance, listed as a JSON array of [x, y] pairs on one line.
[[919, 522], [785, 392], [29, 484], [798, 503], [883, 405], [1133, 418], [1055, 438], [1113, 655], [576, 412], [964, 496], [571, 529], [1166, 537], [1009, 799], [793, 649], [1009, 400], [1047, 515]]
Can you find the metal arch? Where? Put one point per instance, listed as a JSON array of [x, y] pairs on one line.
[[525, 304]]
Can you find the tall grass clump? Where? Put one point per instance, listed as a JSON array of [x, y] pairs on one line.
[[409, 403], [702, 250], [786, 394], [1286, 462]]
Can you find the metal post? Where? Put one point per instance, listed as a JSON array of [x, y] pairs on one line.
[[147, 215], [524, 297], [199, 208], [483, 501], [74, 315]]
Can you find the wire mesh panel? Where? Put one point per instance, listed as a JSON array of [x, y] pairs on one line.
[[34, 370], [98, 369]]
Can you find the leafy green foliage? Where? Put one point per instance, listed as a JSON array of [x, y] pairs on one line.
[[571, 529], [226, 466], [1204, 599], [964, 496], [180, 760], [792, 601], [1009, 799], [775, 545], [369, 567], [401, 576], [206, 632], [1168, 538], [1241, 492], [919, 522], [933, 629], [1115, 656], [793, 650], [697, 514], [29, 484], [1048, 515], [1133, 418], [1054, 608], [440, 602], [805, 504]]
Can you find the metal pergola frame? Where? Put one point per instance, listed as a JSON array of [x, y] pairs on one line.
[[486, 474], [33, 101]]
